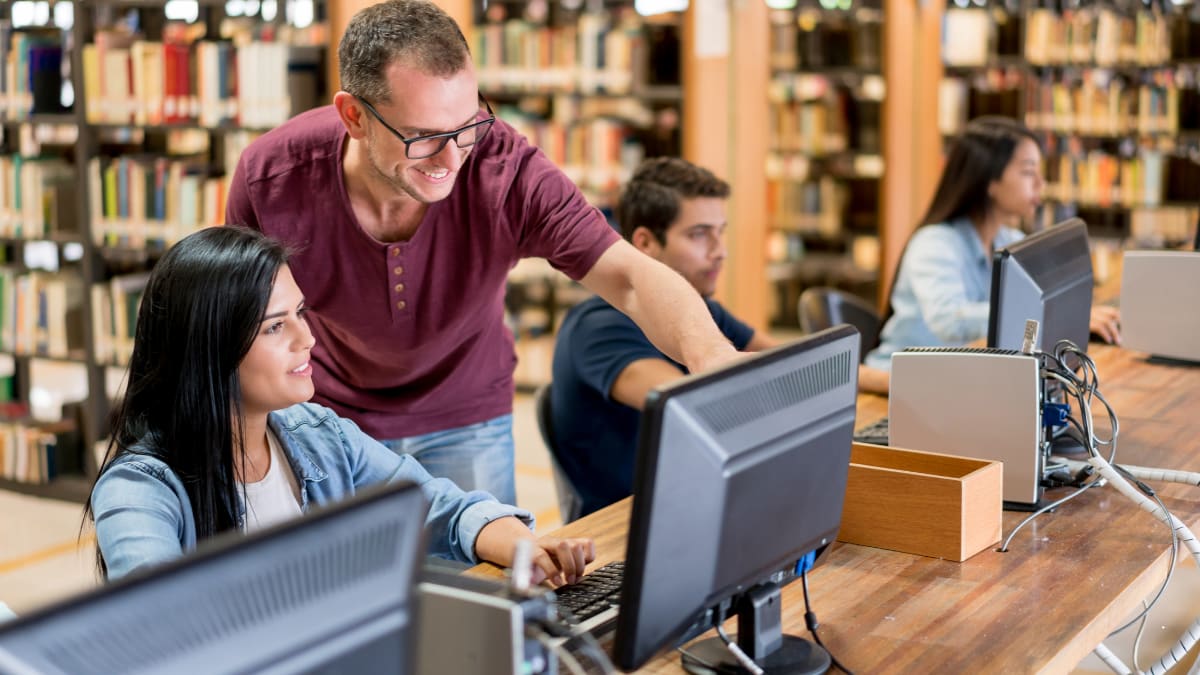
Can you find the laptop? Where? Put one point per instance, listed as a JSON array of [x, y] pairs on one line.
[[1154, 318]]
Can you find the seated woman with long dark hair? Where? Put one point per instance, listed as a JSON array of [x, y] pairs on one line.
[[214, 432], [940, 295]]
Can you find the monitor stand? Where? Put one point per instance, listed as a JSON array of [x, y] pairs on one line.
[[760, 635]]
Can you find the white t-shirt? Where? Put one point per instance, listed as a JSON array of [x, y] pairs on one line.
[[276, 497]]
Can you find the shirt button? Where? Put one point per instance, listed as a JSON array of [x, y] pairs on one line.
[[399, 288], [399, 270], [400, 305], [395, 252]]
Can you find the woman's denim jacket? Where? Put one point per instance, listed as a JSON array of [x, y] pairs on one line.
[[143, 514]]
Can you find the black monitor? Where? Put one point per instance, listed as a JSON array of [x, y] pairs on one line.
[[740, 473], [331, 592], [1046, 276]]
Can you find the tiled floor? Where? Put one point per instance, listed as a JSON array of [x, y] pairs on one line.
[[41, 558]]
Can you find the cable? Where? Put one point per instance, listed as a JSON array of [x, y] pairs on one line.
[[1117, 665], [564, 655], [585, 641], [745, 661], [1048, 507], [810, 619], [1184, 534], [1137, 640], [1141, 616]]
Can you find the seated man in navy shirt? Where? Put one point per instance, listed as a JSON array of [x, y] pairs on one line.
[[604, 366]]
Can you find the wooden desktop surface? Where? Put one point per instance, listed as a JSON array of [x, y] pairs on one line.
[[1069, 577]]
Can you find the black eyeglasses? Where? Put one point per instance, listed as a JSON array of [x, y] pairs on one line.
[[421, 147]]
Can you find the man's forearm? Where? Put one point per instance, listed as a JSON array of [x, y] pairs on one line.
[[667, 309]]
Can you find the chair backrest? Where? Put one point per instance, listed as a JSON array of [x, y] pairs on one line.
[[822, 307], [569, 502]]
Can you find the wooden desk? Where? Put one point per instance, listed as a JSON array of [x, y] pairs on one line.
[[1069, 578]]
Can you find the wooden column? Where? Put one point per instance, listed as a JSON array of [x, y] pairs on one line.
[[725, 130], [912, 145]]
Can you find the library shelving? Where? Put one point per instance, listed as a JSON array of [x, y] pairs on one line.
[[1114, 92], [596, 87], [825, 162], [123, 120]]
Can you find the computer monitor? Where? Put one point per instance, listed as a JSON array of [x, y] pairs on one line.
[[740, 473], [1046, 276], [331, 592]]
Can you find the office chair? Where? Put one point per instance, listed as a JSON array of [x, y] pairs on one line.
[[569, 502], [822, 307]]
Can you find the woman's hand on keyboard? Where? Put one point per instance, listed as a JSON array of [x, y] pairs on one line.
[[561, 561]]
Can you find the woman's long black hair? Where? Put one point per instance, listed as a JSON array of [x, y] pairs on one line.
[[199, 315], [977, 157]]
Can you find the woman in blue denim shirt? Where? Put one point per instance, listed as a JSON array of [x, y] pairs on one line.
[[214, 434], [992, 180]]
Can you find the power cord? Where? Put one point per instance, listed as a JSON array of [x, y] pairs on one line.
[[1084, 389], [810, 620]]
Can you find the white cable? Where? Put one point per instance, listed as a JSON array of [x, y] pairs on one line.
[[1147, 473], [1110, 659], [741, 656], [1192, 634]]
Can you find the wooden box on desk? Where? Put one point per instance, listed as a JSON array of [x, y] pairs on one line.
[[925, 503]]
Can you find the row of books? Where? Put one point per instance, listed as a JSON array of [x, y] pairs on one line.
[[114, 316], [812, 39], [1099, 178], [41, 314], [596, 54], [128, 80], [1105, 107], [37, 198], [787, 167], [812, 207], [1163, 226], [28, 454], [138, 201], [32, 75], [598, 154], [1097, 35], [993, 91]]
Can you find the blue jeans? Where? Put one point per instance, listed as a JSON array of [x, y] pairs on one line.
[[476, 457]]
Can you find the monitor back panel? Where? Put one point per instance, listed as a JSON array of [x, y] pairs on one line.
[[1156, 317]]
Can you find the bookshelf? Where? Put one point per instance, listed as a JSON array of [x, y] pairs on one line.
[[596, 87], [122, 122], [1115, 95], [825, 164]]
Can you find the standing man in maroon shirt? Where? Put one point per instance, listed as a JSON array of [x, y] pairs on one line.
[[409, 203]]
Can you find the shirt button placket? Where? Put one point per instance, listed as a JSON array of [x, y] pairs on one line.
[[397, 274]]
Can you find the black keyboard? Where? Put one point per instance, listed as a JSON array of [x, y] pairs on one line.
[[594, 594], [876, 432]]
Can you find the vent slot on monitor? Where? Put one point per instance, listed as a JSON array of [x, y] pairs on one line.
[[761, 400], [209, 614]]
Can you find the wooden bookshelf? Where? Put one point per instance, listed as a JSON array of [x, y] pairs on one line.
[[1114, 96], [105, 183]]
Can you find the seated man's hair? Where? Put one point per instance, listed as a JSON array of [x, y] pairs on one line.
[[651, 197]]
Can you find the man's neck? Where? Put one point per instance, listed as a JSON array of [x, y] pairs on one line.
[[384, 213]]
